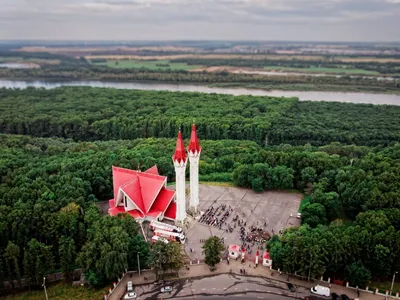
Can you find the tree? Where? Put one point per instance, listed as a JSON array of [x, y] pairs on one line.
[[257, 185], [313, 214], [105, 253], [67, 255], [308, 175], [11, 255], [164, 257], [274, 247], [137, 244], [242, 176], [212, 251], [38, 261], [357, 274], [329, 200]]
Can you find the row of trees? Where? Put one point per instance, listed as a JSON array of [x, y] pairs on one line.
[[92, 113], [383, 68], [367, 249], [85, 113], [84, 71]]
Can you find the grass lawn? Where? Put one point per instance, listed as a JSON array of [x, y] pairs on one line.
[[147, 64], [62, 291], [323, 70], [385, 285], [303, 202]]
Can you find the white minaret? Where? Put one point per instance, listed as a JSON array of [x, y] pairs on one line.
[[180, 160], [194, 151]]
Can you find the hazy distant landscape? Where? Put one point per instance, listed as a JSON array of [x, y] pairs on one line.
[[362, 67]]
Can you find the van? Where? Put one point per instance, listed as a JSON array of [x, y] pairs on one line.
[[321, 290]]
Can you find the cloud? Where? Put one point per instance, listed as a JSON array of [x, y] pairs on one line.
[[202, 19]]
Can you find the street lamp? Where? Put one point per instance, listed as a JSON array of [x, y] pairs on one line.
[[44, 285], [138, 262], [394, 277]]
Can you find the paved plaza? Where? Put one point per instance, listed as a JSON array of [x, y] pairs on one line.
[[272, 211]]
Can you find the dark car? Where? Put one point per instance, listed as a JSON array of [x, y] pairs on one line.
[[291, 287], [344, 297], [335, 296]]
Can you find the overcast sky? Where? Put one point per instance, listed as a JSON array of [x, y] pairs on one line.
[[311, 20]]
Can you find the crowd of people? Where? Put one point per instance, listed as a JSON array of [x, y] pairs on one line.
[[216, 217]]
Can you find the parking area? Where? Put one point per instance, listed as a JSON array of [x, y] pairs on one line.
[[269, 212]]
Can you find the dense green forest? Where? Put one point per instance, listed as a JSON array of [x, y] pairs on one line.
[[48, 188], [88, 114]]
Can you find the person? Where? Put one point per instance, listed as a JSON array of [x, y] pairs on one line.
[[358, 293]]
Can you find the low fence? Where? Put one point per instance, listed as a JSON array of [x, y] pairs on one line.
[[330, 282]]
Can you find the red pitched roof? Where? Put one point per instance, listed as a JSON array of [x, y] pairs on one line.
[[194, 145], [135, 213], [153, 170], [234, 248], [163, 199], [146, 190], [180, 153], [266, 255], [132, 190], [150, 186], [171, 211]]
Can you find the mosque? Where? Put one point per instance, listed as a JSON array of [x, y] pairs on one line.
[[144, 195]]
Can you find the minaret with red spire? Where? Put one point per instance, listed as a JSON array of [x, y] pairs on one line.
[[194, 151], [180, 159]]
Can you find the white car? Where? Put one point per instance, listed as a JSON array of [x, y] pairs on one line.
[[166, 289], [321, 290], [129, 296], [298, 215], [129, 286]]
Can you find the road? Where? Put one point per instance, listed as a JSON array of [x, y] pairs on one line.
[[221, 286]]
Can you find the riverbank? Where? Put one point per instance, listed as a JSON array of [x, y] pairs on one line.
[[349, 97]]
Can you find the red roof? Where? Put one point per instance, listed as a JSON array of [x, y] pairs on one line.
[[170, 213], [132, 190], [146, 190], [113, 211], [194, 145], [153, 170], [180, 153], [135, 213], [163, 199], [266, 255], [234, 248]]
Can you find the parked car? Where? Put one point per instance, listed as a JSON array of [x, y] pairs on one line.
[[166, 289], [321, 290], [335, 296], [291, 287], [129, 286], [298, 215], [344, 297], [129, 296]]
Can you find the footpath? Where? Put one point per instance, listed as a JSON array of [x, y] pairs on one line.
[[203, 270]]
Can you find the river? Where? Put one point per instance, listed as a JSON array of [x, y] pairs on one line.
[[369, 98]]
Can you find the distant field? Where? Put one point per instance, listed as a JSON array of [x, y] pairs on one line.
[[249, 56], [32, 60], [61, 291], [323, 70], [147, 64]]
